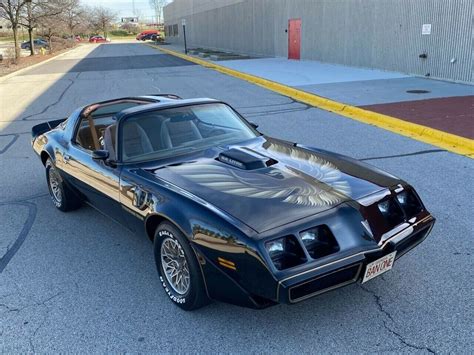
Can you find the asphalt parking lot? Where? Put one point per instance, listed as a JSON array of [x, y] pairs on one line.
[[78, 282]]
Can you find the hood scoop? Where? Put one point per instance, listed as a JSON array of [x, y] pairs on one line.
[[245, 160]]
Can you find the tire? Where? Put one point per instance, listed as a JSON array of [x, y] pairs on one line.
[[188, 295], [62, 196]]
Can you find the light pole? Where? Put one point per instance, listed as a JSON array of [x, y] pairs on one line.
[[183, 22]]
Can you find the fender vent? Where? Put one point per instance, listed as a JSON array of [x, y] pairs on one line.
[[244, 160]]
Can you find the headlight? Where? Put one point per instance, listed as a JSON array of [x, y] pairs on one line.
[[384, 207], [285, 252], [410, 203], [402, 197], [319, 241], [275, 246], [309, 237], [392, 213]]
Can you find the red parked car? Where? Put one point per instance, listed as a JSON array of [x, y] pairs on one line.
[[143, 36], [98, 39]]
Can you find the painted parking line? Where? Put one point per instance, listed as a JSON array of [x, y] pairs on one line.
[[445, 140]]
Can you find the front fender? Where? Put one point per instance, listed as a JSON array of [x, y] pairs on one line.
[[233, 268], [231, 264]]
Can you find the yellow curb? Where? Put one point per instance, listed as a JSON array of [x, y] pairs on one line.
[[19, 71], [448, 141]]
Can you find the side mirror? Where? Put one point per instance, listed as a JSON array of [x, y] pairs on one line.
[[254, 125], [100, 154]]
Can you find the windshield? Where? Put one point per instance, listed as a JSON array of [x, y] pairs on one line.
[[167, 132]]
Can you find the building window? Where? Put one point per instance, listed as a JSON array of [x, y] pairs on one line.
[[175, 30]]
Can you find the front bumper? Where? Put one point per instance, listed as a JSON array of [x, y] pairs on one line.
[[350, 268]]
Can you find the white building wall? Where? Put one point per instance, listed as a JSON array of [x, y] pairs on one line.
[[385, 34]]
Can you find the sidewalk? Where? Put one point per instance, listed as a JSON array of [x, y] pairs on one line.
[[442, 105], [438, 104]]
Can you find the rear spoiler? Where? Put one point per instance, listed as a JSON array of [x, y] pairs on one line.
[[45, 127]]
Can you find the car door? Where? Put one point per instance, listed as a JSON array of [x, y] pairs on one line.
[[135, 199], [96, 180]]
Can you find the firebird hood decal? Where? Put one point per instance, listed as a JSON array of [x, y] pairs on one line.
[[300, 184], [321, 186]]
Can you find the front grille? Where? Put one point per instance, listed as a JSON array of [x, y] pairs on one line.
[[325, 283], [411, 241]]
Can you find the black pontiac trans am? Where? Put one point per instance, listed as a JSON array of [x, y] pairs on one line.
[[233, 215]]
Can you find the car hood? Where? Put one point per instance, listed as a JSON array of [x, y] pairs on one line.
[[267, 183]]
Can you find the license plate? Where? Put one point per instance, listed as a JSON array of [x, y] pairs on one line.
[[379, 266]]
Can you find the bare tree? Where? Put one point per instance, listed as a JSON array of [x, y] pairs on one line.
[[38, 10], [75, 16], [157, 6], [11, 11], [52, 19], [102, 19]]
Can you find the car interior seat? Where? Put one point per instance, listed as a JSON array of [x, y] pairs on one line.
[[109, 140], [176, 131], [135, 140]]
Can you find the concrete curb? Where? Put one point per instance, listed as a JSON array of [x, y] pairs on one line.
[[22, 70], [448, 141]]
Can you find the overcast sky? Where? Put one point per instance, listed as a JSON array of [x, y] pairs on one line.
[[124, 8]]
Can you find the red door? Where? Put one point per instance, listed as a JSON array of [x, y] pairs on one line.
[[294, 38]]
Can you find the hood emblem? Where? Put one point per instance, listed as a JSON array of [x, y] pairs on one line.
[[231, 161]]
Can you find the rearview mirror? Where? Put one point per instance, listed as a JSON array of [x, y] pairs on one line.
[[100, 154]]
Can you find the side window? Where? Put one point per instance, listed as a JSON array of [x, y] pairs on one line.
[[92, 129], [84, 136], [91, 132]]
